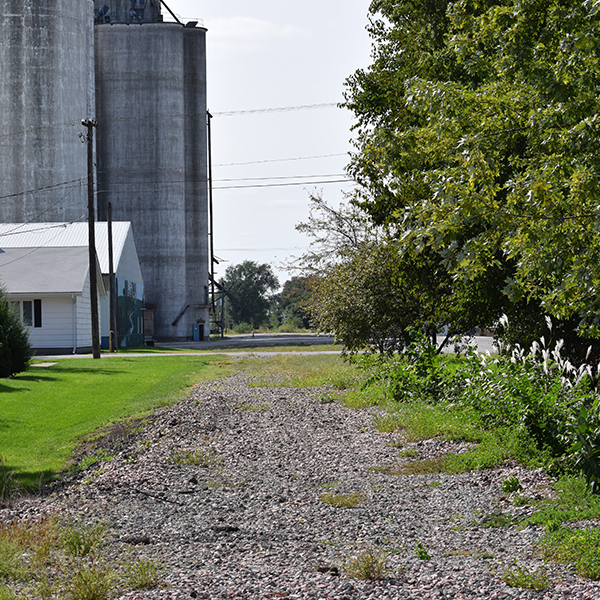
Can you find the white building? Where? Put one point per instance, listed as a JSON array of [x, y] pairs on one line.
[[44, 270]]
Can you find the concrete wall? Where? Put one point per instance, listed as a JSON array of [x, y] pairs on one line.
[[151, 106], [46, 88]]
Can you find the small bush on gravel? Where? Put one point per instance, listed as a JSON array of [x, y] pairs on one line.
[[92, 582], [143, 574], [370, 563], [81, 539], [519, 577], [201, 457], [421, 553]]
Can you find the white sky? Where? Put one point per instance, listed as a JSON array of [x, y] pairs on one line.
[[272, 54]]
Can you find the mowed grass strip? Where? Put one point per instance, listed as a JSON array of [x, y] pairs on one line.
[[45, 412]]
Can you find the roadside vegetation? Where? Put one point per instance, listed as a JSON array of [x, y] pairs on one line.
[[68, 558], [529, 407], [532, 408]]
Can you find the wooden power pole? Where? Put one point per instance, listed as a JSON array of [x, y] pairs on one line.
[[90, 124]]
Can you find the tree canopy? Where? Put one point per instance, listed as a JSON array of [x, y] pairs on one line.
[[479, 140], [369, 290]]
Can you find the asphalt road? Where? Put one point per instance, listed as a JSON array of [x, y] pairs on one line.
[[261, 344]]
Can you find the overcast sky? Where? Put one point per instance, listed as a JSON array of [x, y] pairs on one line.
[[272, 54]]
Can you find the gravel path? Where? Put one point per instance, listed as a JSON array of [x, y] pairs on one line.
[[249, 520]]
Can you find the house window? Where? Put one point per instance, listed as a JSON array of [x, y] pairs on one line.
[[30, 312]]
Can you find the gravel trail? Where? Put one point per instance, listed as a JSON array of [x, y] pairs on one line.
[[249, 520]]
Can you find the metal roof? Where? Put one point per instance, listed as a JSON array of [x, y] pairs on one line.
[[41, 271], [40, 235]]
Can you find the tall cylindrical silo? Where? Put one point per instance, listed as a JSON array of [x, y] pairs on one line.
[[46, 88], [151, 110]]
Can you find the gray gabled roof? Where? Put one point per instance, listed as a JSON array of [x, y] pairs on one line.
[[36, 235], [43, 271]]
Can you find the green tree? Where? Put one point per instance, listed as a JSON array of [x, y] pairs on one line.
[[291, 303], [368, 288], [479, 140], [15, 347], [250, 286]]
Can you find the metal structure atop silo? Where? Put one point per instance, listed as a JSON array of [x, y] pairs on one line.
[[127, 11], [152, 154], [46, 88]]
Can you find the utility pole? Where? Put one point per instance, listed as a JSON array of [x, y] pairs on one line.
[[90, 124], [210, 210], [111, 275]]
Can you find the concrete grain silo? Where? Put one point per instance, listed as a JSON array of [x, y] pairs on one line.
[[151, 154], [46, 88]]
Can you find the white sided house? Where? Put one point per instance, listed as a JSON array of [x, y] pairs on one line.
[[44, 270], [50, 288]]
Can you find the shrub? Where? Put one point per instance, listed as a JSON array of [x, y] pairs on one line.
[[15, 347], [546, 403], [368, 564]]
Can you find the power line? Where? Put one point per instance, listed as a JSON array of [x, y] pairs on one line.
[[16, 230], [240, 187], [274, 160], [231, 187], [39, 247], [227, 113], [282, 177], [44, 189], [261, 249], [231, 113]]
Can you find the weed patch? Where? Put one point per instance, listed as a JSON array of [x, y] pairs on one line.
[[48, 559], [344, 500], [369, 564], [201, 457], [579, 548], [519, 577], [143, 574]]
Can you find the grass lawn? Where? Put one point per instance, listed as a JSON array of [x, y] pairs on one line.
[[46, 411]]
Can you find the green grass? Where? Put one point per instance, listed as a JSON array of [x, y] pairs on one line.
[[577, 547], [302, 371], [573, 502], [46, 412]]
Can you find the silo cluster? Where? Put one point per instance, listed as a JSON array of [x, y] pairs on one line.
[[46, 88], [144, 81]]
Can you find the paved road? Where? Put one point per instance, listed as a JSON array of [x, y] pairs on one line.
[[264, 344]]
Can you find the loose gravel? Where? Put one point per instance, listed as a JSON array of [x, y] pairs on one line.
[[226, 490]]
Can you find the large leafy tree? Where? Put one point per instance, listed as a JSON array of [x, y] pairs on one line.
[[479, 140], [368, 289], [250, 287]]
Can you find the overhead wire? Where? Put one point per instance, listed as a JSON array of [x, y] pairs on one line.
[[227, 113], [274, 160], [229, 187]]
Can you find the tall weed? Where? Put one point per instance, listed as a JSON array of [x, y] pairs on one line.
[[550, 406]]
